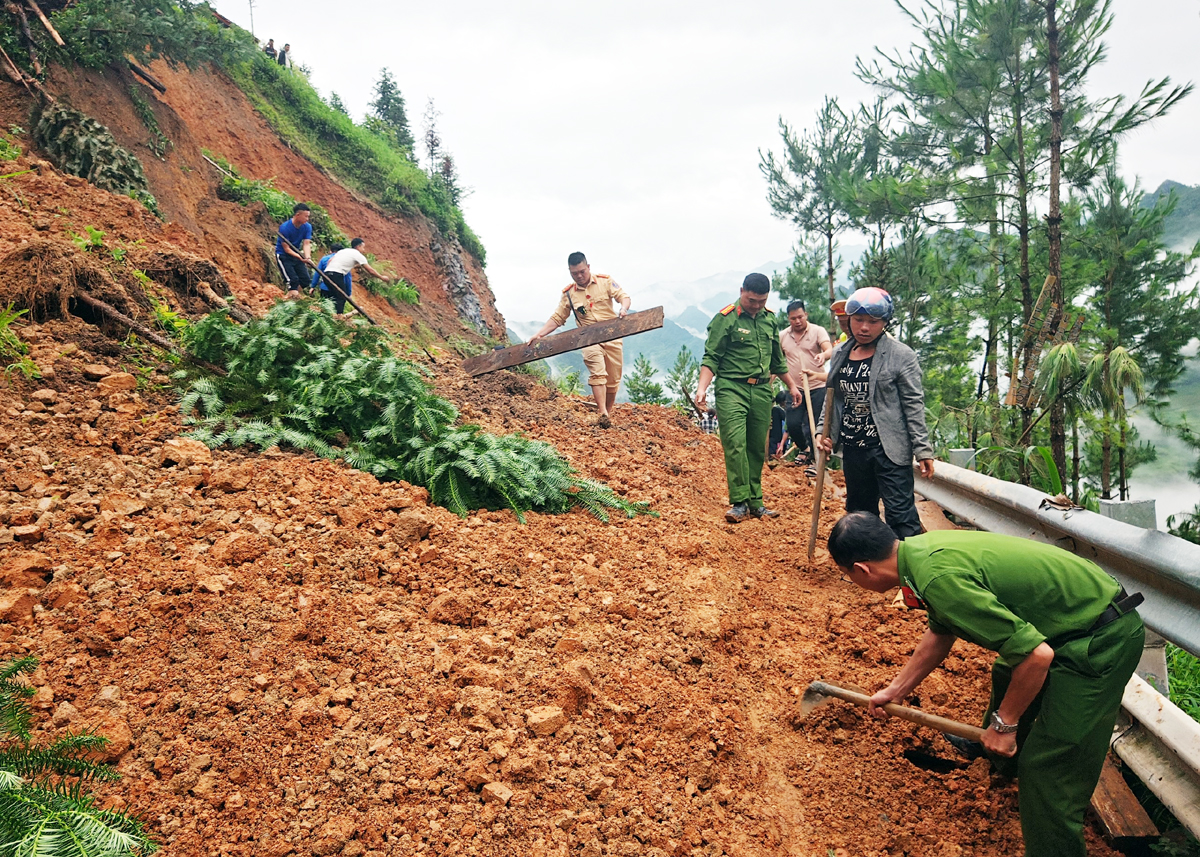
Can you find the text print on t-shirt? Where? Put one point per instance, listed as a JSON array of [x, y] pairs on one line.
[[858, 428]]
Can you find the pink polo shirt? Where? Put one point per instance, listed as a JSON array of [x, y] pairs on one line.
[[803, 351]]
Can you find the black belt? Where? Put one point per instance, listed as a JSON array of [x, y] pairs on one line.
[[1121, 605], [753, 381]]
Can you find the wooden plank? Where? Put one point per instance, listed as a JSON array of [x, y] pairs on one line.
[[571, 340], [1126, 824]]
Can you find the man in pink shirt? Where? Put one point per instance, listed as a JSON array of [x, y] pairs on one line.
[[806, 347]]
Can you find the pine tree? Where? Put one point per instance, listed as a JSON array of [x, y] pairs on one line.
[[802, 182], [335, 101], [641, 386], [682, 378], [804, 280], [388, 116]]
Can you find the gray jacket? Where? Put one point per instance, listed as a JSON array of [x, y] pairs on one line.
[[897, 400]]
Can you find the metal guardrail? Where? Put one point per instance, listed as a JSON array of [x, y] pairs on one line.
[[1158, 741], [1165, 569], [1161, 745]]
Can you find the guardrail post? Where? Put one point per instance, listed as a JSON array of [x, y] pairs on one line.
[[964, 458], [1141, 513]]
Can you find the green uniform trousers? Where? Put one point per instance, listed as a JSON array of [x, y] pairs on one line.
[[744, 415], [1064, 735]]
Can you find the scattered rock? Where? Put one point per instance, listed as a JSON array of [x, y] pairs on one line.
[[119, 503], [184, 452], [16, 606], [453, 608], [118, 382], [545, 719], [496, 793], [96, 371], [30, 570]]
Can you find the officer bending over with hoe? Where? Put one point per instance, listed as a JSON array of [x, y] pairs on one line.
[[1067, 638]]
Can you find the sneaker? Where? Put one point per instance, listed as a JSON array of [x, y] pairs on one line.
[[604, 422], [763, 512], [737, 513]]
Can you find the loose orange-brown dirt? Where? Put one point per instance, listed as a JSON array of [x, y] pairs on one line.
[[290, 658]]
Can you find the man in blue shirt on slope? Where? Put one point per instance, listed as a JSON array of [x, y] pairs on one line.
[[292, 264]]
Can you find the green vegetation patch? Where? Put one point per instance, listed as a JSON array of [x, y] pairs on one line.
[[279, 204], [301, 378]]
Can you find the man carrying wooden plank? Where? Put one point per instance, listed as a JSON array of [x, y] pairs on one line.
[[590, 299]]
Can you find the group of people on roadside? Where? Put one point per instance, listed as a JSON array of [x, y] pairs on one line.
[[877, 416], [1066, 634], [332, 275], [283, 55]]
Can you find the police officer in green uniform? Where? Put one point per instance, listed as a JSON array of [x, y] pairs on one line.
[[743, 353], [1067, 637]]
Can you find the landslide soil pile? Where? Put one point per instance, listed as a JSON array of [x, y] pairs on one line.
[[291, 658]]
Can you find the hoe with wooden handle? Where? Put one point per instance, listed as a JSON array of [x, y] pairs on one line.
[[820, 692], [819, 484]]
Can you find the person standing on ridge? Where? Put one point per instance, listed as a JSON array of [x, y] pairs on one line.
[[340, 268], [806, 347], [878, 415], [292, 264], [285, 56], [269, 50], [742, 352], [1067, 637], [590, 299]]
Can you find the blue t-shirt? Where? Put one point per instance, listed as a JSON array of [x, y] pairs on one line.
[[296, 234], [317, 282]]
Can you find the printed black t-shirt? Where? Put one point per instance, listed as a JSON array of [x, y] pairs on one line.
[[858, 427]]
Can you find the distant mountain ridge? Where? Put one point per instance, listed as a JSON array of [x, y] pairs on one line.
[[1182, 228]]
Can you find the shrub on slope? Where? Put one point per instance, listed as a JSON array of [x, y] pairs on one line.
[[301, 378]]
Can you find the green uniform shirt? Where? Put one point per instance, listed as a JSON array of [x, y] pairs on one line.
[[1003, 593], [740, 346]]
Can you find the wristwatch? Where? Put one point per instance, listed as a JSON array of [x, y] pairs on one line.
[[1000, 726]]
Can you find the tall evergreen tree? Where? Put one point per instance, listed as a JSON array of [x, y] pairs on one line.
[[388, 116], [802, 181], [804, 280]]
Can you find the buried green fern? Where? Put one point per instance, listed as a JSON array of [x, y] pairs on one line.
[[302, 379], [45, 809]]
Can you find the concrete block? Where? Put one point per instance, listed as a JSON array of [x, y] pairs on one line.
[[1140, 513], [964, 458]]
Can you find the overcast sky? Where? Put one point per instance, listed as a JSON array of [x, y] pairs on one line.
[[631, 130]]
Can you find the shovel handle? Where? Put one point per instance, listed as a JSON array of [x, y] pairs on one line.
[[913, 715]]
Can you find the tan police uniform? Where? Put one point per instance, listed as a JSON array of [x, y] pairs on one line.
[[593, 303]]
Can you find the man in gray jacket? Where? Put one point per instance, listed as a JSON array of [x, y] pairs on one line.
[[878, 415]]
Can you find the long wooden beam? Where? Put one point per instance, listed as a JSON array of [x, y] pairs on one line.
[[571, 340]]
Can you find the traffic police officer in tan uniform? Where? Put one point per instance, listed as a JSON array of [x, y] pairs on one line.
[[743, 352], [590, 300]]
